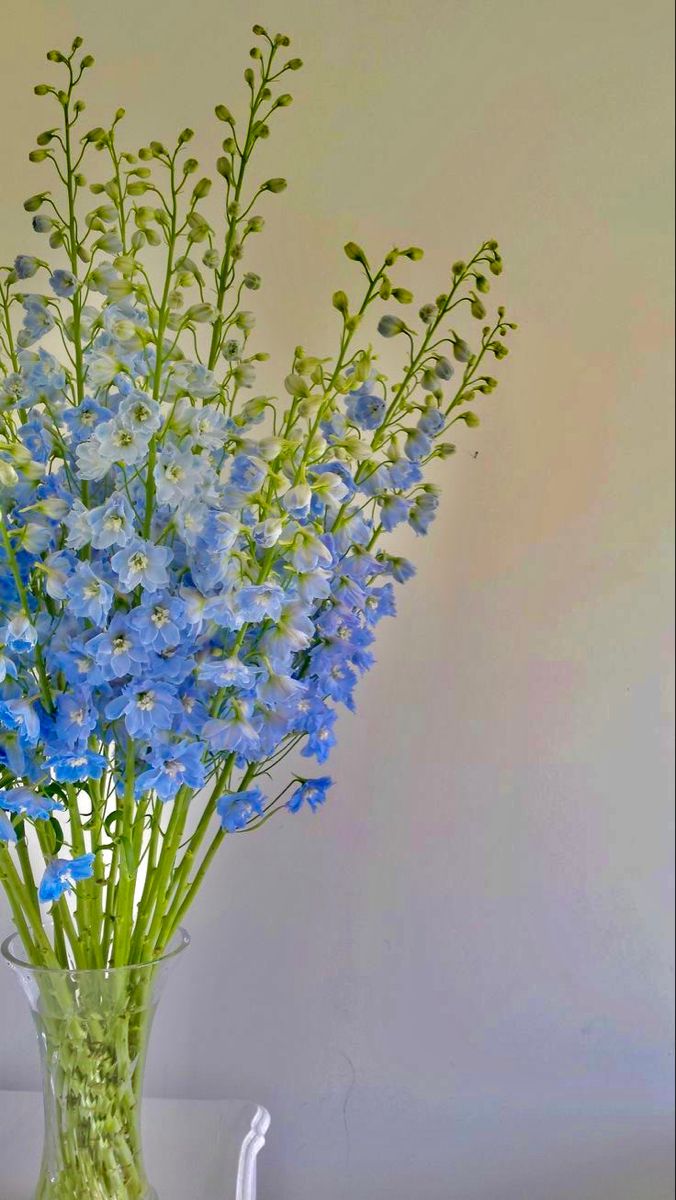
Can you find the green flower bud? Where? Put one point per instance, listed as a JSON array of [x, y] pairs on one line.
[[340, 301], [55, 56], [470, 418], [294, 64], [201, 189], [211, 259], [224, 168], [37, 156], [33, 203], [402, 295], [414, 253], [495, 267], [259, 31], [427, 313], [458, 267], [477, 309], [224, 114], [87, 61], [249, 76], [252, 281], [296, 386], [355, 253], [200, 313], [482, 284], [42, 89], [385, 288], [274, 185], [190, 166], [43, 139], [284, 101], [444, 450], [245, 320], [461, 351], [255, 225], [186, 135]]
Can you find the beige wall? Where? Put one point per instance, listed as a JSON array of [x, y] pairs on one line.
[[455, 982]]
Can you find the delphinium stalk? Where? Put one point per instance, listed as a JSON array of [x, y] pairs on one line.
[[191, 572]]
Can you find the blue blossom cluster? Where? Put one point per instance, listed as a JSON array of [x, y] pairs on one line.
[[231, 617], [190, 576]]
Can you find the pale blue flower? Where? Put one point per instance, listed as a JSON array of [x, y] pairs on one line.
[[62, 875], [25, 266], [89, 595], [26, 803], [237, 809], [20, 634], [311, 792], [63, 283], [78, 766], [142, 564]]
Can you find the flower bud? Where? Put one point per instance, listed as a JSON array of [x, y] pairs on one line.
[[274, 185], [340, 302], [33, 203], [294, 64], [414, 253], [402, 295], [224, 114], [202, 189], [41, 89], [356, 253], [389, 326]]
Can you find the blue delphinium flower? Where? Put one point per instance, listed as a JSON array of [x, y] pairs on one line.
[[21, 716], [393, 510], [417, 445], [173, 765], [148, 708], [431, 422], [25, 266], [20, 635], [142, 564], [237, 809], [112, 523], [365, 407], [247, 473], [27, 803], [159, 620], [311, 792], [63, 874], [76, 767], [88, 595], [63, 283], [120, 650]]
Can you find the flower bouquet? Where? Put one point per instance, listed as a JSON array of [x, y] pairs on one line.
[[191, 573]]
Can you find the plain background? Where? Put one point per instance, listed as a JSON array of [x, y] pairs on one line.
[[455, 982]]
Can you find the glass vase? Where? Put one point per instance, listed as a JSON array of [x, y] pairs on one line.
[[93, 1028]]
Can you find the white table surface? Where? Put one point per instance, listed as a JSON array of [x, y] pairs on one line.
[[194, 1149]]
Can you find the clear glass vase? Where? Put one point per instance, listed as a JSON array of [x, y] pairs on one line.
[[93, 1029]]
